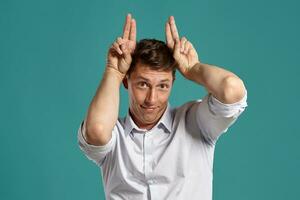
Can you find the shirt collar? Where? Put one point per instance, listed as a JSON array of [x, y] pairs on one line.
[[165, 120]]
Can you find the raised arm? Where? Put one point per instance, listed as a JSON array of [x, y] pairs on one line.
[[223, 84], [103, 111]]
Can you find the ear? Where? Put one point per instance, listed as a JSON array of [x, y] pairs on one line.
[[125, 82]]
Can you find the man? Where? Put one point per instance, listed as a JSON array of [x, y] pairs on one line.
[[158, 152]]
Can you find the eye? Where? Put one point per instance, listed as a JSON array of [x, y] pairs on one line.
[[163, 86], [142, 84]]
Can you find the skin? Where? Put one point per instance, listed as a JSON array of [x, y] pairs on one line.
[[222, 84], [148, 98], [99, 126], [149, 91], [153, 93]]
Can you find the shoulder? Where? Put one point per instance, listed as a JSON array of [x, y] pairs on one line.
[[182, 113], [186, 106]]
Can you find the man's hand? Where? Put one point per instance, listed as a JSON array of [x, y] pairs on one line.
[[183, 51], [119, 54]]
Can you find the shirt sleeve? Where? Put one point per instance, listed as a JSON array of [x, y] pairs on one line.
[[214, 117], [95, 153]]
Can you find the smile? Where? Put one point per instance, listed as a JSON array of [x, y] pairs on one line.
[[149, 108]]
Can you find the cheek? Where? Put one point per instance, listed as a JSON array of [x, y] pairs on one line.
[[164, 96], [138, 96]]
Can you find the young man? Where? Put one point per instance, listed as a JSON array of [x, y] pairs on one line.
[[158, 152]]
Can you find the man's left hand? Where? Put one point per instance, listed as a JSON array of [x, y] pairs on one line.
[[183, 51]]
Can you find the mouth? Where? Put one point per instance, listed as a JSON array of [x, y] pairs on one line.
[[151, 108]]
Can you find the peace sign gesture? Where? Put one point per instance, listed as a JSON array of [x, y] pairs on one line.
[[119, 54], [183, 51]]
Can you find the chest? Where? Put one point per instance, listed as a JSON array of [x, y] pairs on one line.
[[162, 158]]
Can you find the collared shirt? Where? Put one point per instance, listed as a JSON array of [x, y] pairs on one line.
[[173, 160]]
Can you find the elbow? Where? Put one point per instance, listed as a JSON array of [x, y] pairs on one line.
[[233, 89], [97, 135]]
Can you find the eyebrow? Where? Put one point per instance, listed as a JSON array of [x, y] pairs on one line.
[[164, 80]]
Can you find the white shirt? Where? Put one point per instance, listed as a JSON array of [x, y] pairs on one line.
[[173, 160]]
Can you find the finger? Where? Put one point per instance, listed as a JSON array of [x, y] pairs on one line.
[[169, 38], [120, 41], [127, 55], [132, 35], [117, 51], [177, 47], [182, 44], [123, 48], [192, 52], [126, 29], [116, 46], [192, 49], [173, 28], [187, 47], [112, 50]]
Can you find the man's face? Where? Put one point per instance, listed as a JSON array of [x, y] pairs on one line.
[[148, 91]]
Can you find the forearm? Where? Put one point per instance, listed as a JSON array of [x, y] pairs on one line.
[[104, 109], [223, 84]]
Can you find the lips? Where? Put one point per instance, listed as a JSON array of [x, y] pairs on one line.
[[149, 108]]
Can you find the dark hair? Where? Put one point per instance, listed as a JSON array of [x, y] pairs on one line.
[[154, 53]]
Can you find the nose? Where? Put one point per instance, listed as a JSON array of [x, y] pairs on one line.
[[151, 97]]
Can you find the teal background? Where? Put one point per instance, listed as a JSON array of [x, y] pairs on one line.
[[52, 55]]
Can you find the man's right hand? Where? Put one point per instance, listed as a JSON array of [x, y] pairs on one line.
[[119, 54]]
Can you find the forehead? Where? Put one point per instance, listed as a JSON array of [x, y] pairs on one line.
[[142, 71]]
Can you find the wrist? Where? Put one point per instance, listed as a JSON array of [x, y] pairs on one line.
[[193, 70], [111, 71]]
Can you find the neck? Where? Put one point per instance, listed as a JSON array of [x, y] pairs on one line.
[[140, 124]]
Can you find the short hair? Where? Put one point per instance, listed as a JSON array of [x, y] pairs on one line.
[[154, 53]]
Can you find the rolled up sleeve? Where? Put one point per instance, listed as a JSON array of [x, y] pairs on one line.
[[214, 117], [94, 153]]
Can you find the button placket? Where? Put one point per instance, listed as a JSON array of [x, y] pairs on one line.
[[149, 159], [147, 156]]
